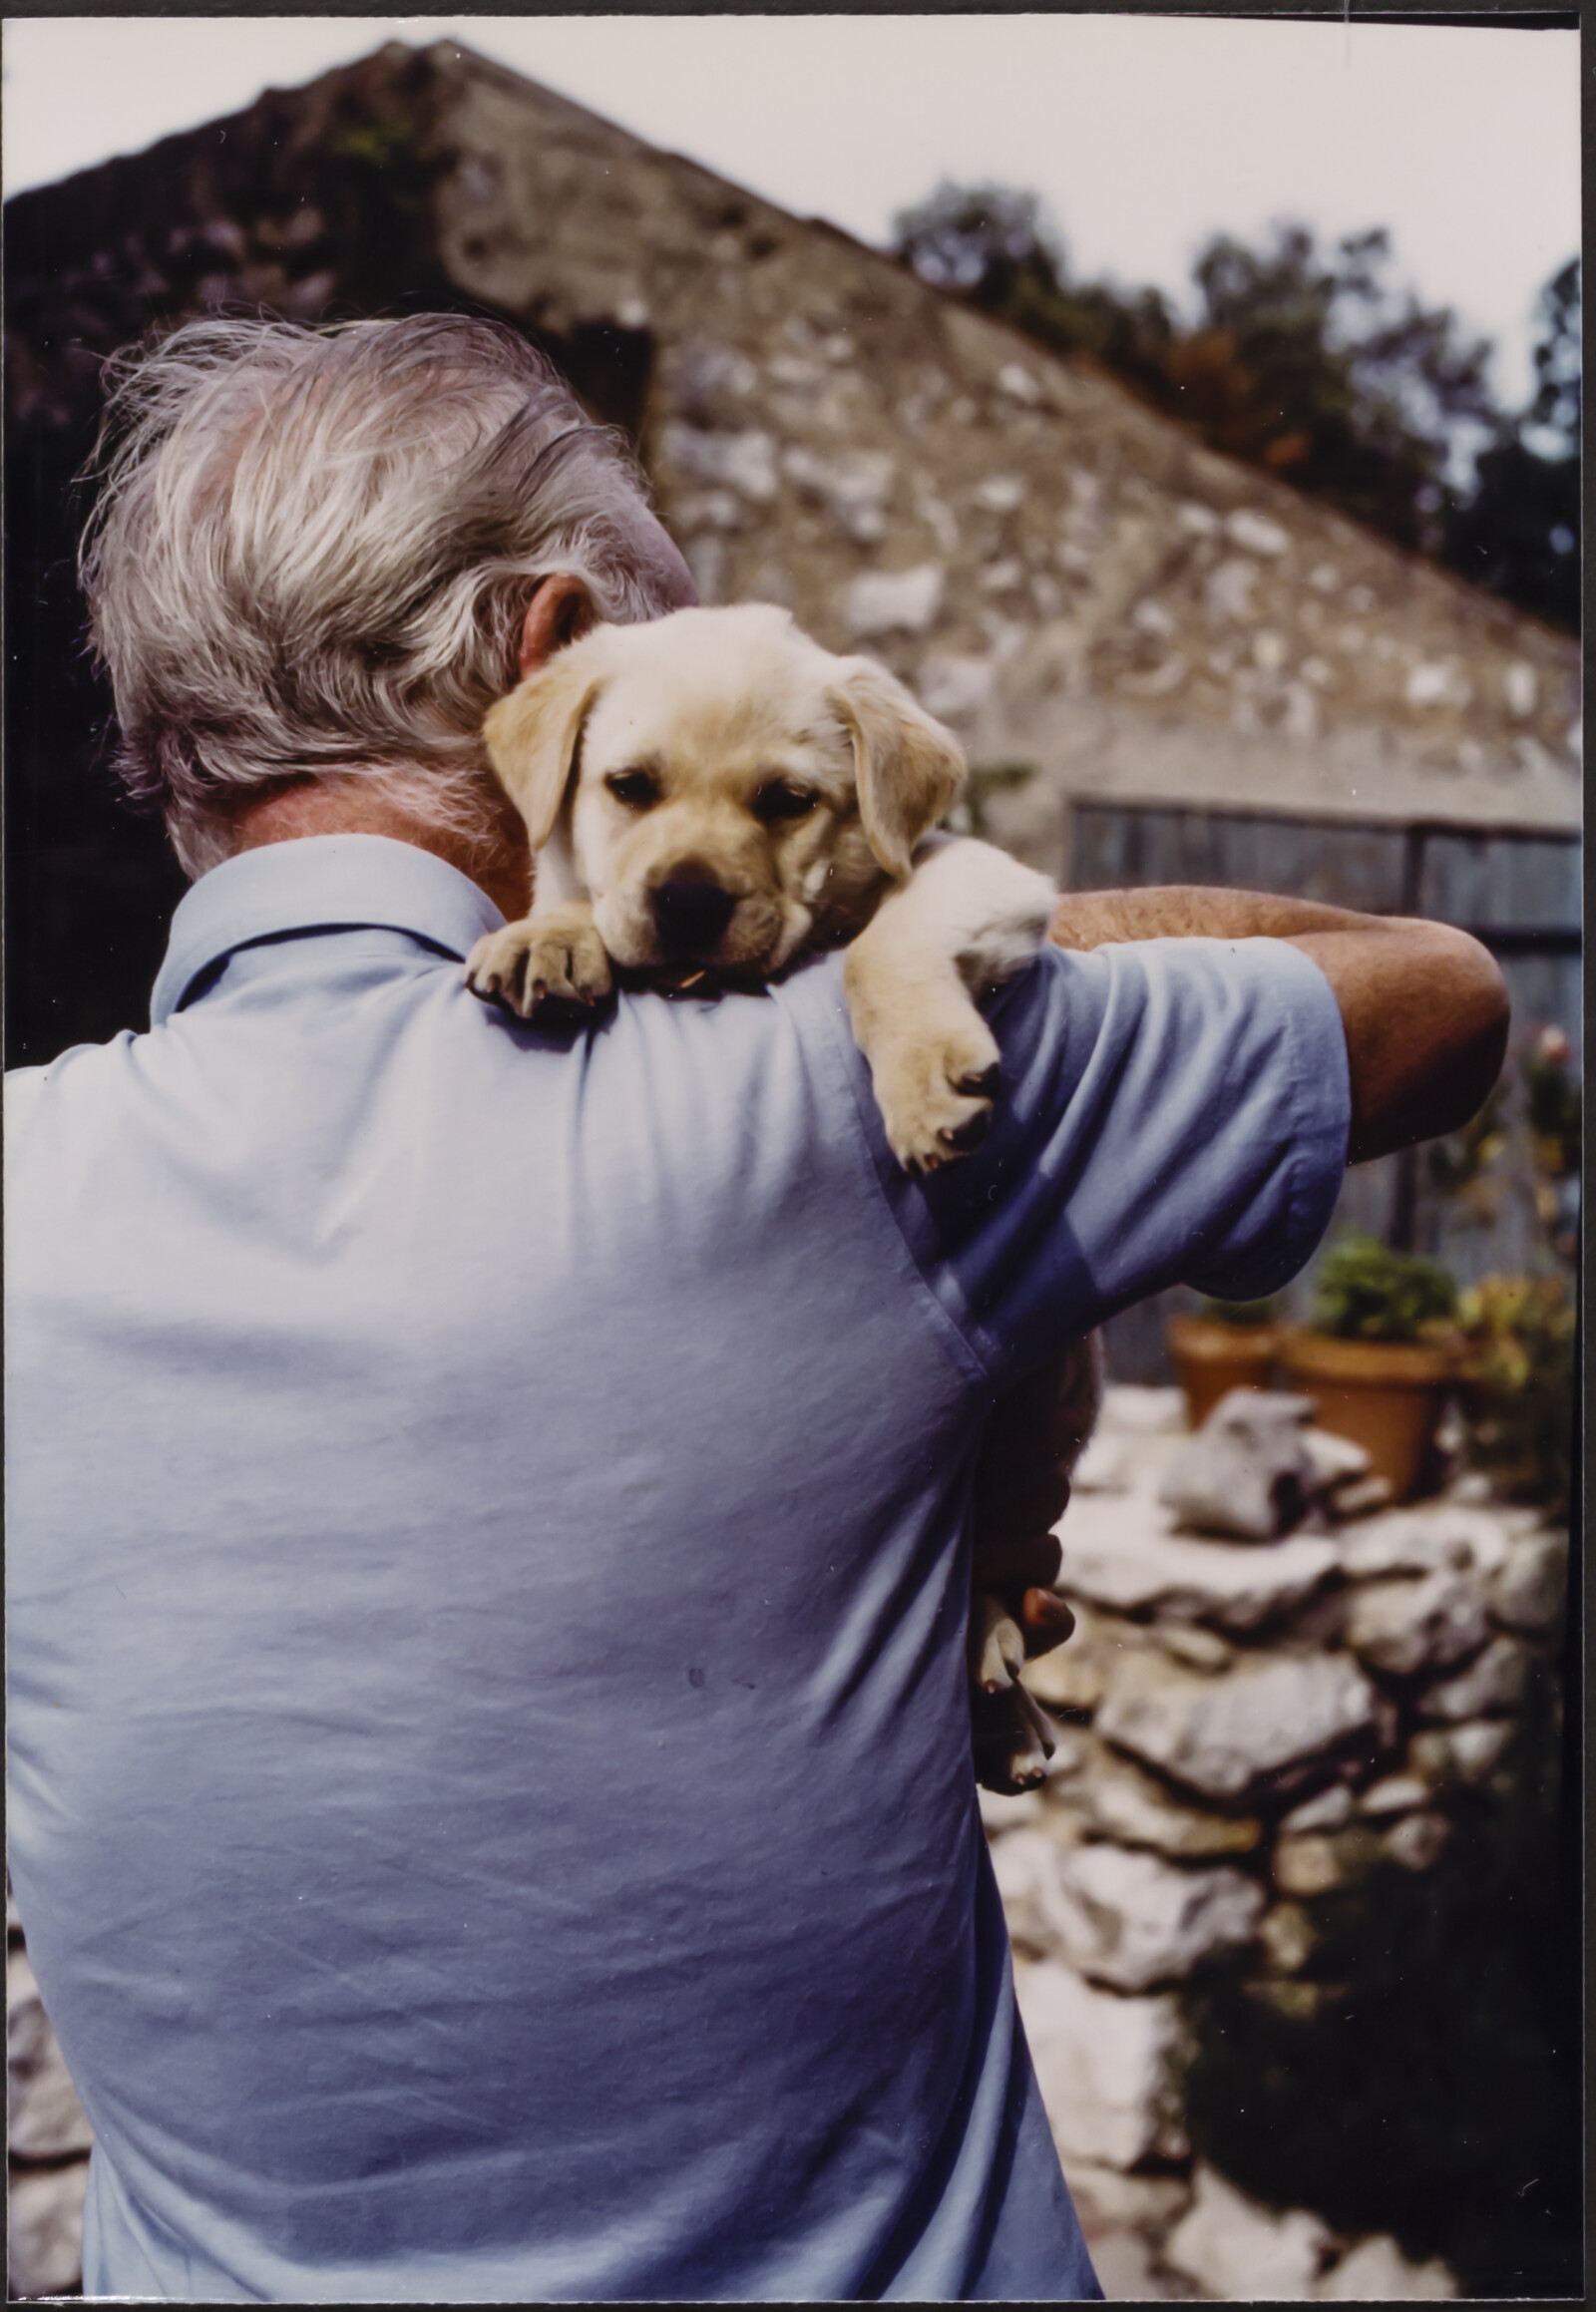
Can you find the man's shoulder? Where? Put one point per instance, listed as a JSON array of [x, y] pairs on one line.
[[26, 1088], [18, 1100], [76, 1082]]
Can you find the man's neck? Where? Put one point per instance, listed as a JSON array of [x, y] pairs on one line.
[[322, 807]]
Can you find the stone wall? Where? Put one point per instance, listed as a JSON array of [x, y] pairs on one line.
[[46, 2140], [1251, 1733], [1069, 578]]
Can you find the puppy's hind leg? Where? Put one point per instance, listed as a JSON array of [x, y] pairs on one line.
[[1012, 1736]]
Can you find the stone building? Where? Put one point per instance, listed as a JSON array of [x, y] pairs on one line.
[[1165, 665]]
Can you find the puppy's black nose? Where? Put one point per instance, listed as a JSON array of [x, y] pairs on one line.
[[691, 913]]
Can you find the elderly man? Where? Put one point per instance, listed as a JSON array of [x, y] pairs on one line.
[[491, 1800]]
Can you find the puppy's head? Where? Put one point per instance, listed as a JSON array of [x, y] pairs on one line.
[[725, 789]]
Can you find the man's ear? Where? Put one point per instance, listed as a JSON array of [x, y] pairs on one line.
[[909, 769], [560, 612], [532, 736]]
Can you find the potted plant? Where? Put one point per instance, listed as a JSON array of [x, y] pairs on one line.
[[1226, 1344], [1380, 1354]]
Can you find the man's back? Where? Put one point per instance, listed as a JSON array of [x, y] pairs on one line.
[[491, 1795]]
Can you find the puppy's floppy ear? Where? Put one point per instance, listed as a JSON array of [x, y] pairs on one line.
[[908, 767], [531, 735]]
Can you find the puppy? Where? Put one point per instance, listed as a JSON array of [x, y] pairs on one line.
[[711, 797]]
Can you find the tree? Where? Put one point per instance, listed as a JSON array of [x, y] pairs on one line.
[[994, 246], [1303, 362], [974, 239], [1311, 365], [1517, 531]]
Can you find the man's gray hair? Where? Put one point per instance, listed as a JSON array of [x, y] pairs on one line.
[[311, 553]]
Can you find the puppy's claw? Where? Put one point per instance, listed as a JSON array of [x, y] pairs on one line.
[[537, 964], [997, 1643], [961, 1138], [936, 1080], [1013, 1741]]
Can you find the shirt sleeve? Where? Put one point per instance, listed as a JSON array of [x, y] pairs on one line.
[[1173, 1111]]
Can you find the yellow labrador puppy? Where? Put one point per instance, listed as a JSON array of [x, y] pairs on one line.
[[711, 795]]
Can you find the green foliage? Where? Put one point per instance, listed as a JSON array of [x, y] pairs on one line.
[[1518, 1395], [383, 144], [1306, 362], [1552, 1104], [1365, 1291], [1245, 1316], [992, 244], [1423, 2070], [1525, 1145], [966, 236], [1517, 531]]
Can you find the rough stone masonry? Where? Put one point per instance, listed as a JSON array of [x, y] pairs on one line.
[[1068, 577], [1247, 1726]]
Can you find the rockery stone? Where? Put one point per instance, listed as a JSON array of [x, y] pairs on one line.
[[1229, 1736], [45, 2120], [1528, 1592], [1496, 1682], [1130, 1920], [1241, 2252], [1247, 1471], [1106, 2065], [44, 2237], [1133, 1806], [1446, 1536], [1405, 1625], [1122, 1554]]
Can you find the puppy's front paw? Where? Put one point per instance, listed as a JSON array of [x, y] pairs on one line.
[[935, 1087], [547, 962]]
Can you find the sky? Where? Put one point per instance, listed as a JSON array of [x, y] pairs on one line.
[[1142, 135]]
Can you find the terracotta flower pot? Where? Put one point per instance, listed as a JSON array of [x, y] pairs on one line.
[[1211, 1359], [1386, 1395]]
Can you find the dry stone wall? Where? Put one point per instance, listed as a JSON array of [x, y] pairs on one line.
[[1246, 1727], [47, 2140]]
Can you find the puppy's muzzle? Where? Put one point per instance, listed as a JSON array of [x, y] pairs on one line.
[[691, 913]]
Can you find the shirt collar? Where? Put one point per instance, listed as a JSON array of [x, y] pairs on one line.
[[318, 883]]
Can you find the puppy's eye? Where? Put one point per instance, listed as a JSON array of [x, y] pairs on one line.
[[637, 789], [779, 801]]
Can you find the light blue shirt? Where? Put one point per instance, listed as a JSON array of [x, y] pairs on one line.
[[491, 1800]]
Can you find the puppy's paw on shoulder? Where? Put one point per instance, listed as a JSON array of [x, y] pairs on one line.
[[547, 962], [935, 1086]]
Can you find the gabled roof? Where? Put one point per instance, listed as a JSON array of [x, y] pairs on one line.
[[1066, 576]]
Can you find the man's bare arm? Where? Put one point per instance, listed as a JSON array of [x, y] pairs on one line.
[[1423, 1006]]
